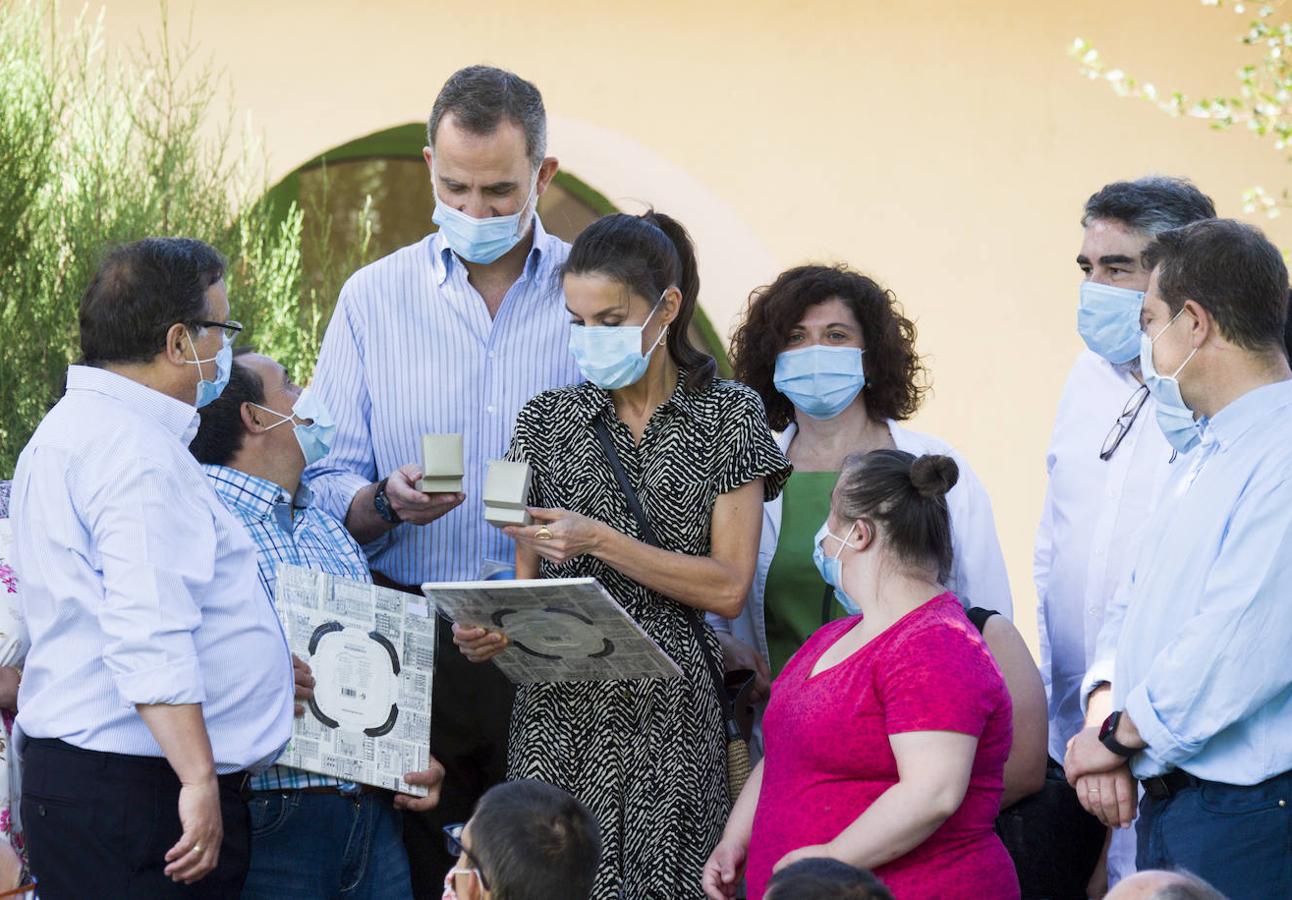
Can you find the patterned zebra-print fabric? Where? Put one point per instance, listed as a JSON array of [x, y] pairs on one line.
[[648, 758]]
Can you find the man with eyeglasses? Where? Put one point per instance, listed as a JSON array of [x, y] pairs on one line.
[[525, 839], [158, 675], [1108, 459]]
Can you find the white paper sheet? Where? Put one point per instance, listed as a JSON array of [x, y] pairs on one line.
[[372, 654], [560, 629]]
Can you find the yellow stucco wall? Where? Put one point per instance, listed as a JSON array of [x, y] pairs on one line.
[[944, 147]]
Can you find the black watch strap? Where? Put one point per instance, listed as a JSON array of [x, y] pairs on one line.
[[1108, 736], [382, 504]]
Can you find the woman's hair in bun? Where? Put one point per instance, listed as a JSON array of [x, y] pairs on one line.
[[933, 475], [906, 497]]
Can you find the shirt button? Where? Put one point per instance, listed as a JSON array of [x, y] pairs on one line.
[[489, 409], [493, 355], [1093, 611]]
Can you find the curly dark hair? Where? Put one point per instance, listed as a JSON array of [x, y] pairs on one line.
[[896, 380]]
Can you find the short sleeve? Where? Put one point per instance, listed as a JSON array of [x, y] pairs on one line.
[[522, 447], [940, 678], [748, 449]]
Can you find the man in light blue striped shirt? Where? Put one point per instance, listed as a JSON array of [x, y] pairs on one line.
[[449, 336], [253, 445], [1194, 651]]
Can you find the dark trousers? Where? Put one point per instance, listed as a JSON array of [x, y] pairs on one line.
[[100, 824], [470, 719], [1237, 837]]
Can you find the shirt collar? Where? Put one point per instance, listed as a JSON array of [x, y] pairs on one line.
[[443, 259], [256, 497], [1236, 419], [176, 416]]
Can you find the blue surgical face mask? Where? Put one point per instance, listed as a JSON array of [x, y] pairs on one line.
[[1108, 321], [831, 567], [209, 390], [315, 439], [480, 240], [820, 381], [610, 356], [1173, 416]]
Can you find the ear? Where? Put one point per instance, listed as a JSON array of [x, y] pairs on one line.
[[179, 344], [864, 536], [546, 172], [429, 156], [250, 419], [1200, 323], [670, 306]]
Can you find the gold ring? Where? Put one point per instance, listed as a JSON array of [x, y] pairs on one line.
[[543, 534]]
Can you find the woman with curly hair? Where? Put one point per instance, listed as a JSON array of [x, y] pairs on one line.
[[833, 358]]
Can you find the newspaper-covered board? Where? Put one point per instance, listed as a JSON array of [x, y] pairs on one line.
[[372, 655], [558, 629]]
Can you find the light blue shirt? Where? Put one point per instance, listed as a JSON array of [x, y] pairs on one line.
[[1198, 643], [411, 350], [138, 586]]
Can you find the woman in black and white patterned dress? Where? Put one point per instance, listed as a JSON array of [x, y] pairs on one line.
[[647, 757]]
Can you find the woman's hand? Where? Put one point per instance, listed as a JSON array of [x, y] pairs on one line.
[[478, 644], [736, 654], [9, 680], [558, 535], [813, 851], [723, 870]]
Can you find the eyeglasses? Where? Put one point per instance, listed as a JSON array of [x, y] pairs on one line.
[[1124, 422], [453, 841], [230, 326]]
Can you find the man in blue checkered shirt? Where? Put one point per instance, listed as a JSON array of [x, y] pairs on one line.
[[311, 835]]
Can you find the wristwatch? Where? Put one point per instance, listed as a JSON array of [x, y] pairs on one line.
[[382, 503], [1108, 736]]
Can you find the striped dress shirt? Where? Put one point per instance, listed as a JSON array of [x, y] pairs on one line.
[[411, 350], [138, 586], [289, 530]]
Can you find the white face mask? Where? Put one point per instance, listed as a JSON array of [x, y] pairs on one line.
[[481, 241], [610, 356]]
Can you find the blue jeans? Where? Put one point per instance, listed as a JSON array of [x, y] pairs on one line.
[[1238, 838], [323, 846]]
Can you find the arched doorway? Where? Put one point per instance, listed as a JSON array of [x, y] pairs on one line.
[[381, 178]]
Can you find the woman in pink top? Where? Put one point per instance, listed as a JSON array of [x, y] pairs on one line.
[[887, 733]]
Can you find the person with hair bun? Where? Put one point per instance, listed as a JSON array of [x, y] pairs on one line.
[[887, 732], [646, 757]]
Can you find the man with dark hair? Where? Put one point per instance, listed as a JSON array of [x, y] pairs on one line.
[[449, 336], [526, 841], [158, 676], [825, 879], [1193, 656], [1107, 462], [302, 823]]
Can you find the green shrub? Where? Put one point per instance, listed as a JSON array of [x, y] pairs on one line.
[[98, 150]]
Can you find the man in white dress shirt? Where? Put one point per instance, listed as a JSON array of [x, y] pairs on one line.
[[158, 674], [1107, 460], [451, 335]]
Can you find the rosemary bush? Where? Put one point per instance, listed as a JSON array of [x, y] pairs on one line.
[[99, 149]]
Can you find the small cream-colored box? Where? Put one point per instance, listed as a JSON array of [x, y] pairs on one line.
[[442, 468], [506, 493]]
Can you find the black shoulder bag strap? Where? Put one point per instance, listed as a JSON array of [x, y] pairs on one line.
[[649, 536]]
